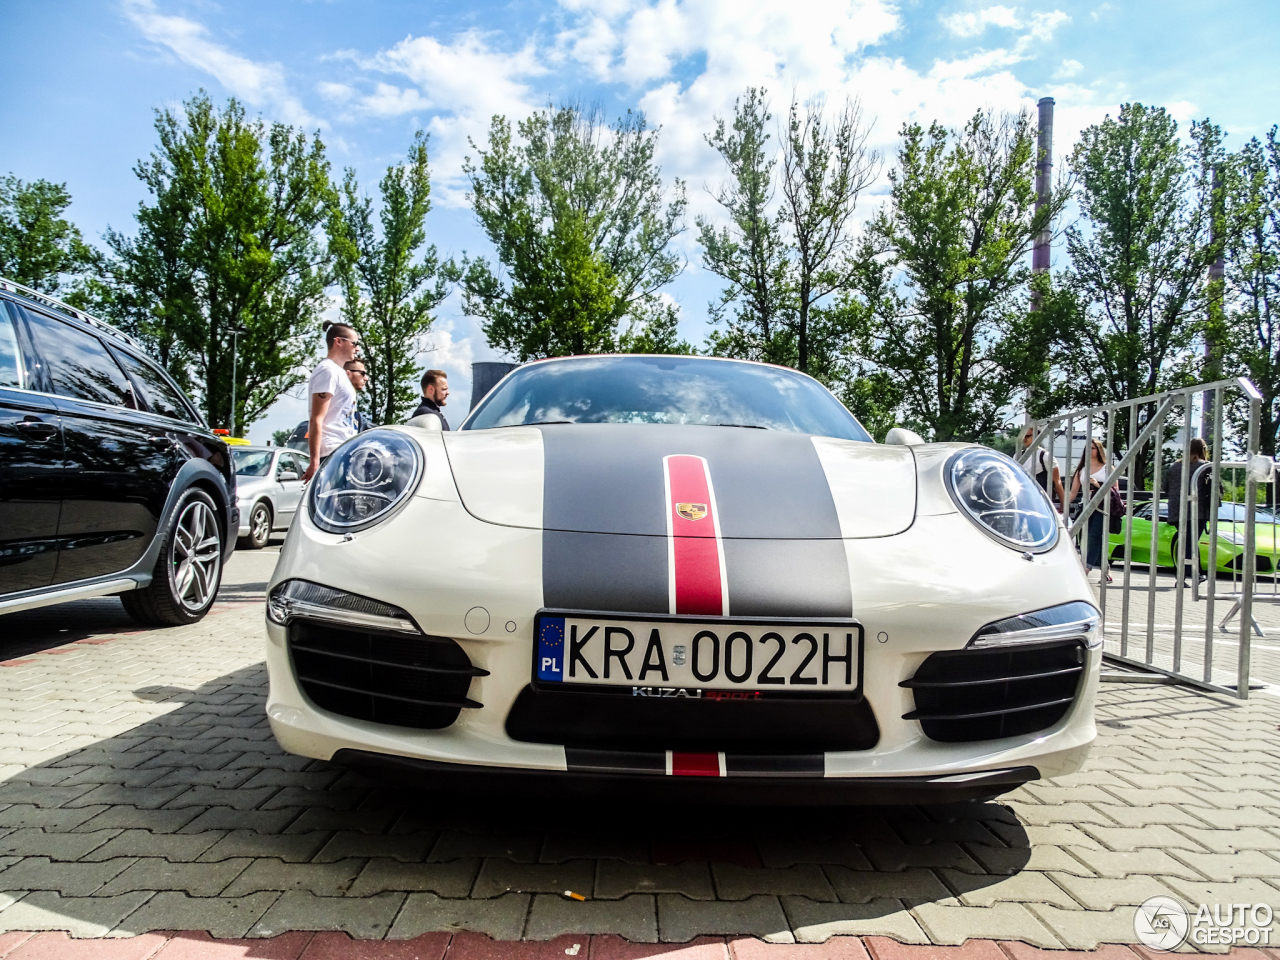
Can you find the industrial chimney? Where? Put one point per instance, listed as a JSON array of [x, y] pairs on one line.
[[1044, 183]]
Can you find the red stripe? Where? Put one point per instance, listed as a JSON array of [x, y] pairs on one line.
[[695, 554], [695, 764]]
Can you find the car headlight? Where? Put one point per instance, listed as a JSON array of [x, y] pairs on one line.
[[364, 481], [1231, 537], [1002, 499]]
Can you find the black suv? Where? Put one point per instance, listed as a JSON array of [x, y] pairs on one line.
[[110, 482]]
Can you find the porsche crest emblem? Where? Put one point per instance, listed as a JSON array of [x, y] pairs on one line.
[[692, 511]]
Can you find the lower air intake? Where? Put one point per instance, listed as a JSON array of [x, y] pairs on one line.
[[419, 682], [986, 694]]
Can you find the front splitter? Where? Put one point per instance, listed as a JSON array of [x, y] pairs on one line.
[[771, 789]]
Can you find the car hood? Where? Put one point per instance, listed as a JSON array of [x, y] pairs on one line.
[[610, 478]]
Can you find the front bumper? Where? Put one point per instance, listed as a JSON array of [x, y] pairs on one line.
[[926, 590]]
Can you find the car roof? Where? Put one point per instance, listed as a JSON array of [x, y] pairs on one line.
[[27, 296]]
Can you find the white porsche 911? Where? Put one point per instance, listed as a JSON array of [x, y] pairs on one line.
[[672, 571]]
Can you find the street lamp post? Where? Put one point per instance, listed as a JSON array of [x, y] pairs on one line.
[[236, 330]]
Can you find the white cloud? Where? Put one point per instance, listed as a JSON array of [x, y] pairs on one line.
[[975, 23], [337, 92], [1043, 25], [1038, 27], [465, 83], [391, 101], [260, 85], [1068, 69]]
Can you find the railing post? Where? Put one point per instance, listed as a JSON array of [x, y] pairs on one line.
[[1215, 500], [1250, 544]]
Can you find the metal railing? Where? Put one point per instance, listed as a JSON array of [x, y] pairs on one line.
[[1154, 429]]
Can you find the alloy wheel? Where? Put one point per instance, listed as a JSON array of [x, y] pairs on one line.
[[196, 556], [260, 525]]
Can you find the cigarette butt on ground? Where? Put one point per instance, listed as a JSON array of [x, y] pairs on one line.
[[574, 896]]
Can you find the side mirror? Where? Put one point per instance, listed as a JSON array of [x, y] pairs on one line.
[[284, 475], [903, 437]]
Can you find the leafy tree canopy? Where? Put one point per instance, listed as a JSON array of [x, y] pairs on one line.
[[38, 246], [581, 226], [389, 280], [228, 246], [954, 239]]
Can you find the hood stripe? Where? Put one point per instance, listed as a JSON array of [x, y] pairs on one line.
[[770, 545], [696, 574]]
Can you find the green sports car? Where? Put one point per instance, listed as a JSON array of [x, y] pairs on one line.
[[1230, 538]]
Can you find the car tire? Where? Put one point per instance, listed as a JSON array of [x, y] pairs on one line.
[[260, 519], [187, 574]]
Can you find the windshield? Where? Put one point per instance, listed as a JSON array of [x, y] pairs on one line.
[[1235, 512], [678, 390], [252, 463]]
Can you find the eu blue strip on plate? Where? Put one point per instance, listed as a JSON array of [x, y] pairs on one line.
[[551, 649]]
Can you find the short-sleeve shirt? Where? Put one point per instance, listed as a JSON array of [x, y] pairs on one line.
[[339, 423]]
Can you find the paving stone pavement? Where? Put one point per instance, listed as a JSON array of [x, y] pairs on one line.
[[141, 792]]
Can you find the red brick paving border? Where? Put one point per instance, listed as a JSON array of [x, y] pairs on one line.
[[197, 945]]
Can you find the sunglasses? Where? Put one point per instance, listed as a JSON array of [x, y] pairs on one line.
[[354, 343], [361, 372]]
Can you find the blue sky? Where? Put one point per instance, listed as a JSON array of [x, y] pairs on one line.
[[81, 80]]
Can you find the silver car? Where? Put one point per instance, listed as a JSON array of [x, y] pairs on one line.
[[269, 488]]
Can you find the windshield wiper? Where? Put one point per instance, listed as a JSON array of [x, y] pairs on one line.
[[745, 426], [537, 423]]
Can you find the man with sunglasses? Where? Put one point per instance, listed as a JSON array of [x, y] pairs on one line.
[[359, 378], [332, 397]]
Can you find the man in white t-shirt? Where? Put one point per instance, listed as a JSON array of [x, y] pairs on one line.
[[333, 399]]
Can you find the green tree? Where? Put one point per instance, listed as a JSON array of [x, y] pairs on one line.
[[1140, 257], [955, 238], [750, 253], [1252, 240], [390, 283], [578, 216], [281, 437], [230, 241], [826, 165], [37, 244]]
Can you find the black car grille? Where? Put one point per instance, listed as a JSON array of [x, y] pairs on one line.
[[985, 694], [418, 682], [612, 719]]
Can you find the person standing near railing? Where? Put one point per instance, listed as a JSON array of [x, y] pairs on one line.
[[1204, 497], [1093, 465], [1039, 467]]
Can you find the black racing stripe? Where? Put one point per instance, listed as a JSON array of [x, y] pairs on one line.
[[614, 761], [785, 765], [600, 571], [607, 478], [604, 478], [604, 497], [788, 578]]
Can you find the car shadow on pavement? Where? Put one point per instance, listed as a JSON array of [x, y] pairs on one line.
[[33, 631], [196, 820]]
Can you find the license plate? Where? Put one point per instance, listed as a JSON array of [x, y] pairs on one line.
[[671, 656]]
